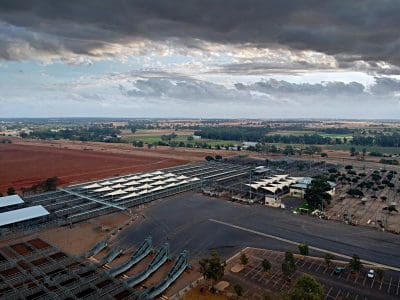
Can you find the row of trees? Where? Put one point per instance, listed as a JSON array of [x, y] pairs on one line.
[[98, 133], [233, 133], [50, 184], [379, 139]]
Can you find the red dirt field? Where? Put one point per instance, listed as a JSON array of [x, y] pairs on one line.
[[24, 165]]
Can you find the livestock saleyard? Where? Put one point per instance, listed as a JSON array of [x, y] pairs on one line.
[[35, 269], [75, 203]]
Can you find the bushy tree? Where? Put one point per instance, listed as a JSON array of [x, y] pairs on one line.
[[317, 193], [328, 258], [10, 191], [209, 158], [266, 265], [212, 267], [303, 249], [238, 289], [288, 265], [306, 288], [355, 263], [244, 259]]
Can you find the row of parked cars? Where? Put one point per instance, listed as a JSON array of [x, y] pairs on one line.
[[370, 274]]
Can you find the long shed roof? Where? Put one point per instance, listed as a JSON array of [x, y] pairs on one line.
[[10, 200], [22, 214]]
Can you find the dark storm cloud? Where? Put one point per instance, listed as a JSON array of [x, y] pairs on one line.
[[351, 30]]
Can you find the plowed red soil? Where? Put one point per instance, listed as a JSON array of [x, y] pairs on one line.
[[24, 165]]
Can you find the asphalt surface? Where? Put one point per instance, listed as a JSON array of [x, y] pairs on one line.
[[187, 222]]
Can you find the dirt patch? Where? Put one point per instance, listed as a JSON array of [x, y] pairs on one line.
[[202, 293], [21, 249], [24, 165], [39, 244]]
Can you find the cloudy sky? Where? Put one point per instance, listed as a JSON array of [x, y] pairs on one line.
[[204, 58]]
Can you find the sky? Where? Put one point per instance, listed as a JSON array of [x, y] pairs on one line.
[[200, 58]]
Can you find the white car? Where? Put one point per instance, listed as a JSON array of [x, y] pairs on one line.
[[371, 274]]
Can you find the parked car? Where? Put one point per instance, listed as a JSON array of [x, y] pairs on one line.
[[338, 270], [371, 274]]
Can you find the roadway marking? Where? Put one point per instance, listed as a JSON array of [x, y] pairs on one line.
[[390, 284], [327, 295], [297, 243]]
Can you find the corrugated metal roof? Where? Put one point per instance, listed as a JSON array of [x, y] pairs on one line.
[[23, 214], [10, 200]]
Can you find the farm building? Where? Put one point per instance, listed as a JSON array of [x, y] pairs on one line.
[[299, 188]]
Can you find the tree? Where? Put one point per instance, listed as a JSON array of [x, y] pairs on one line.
[[328, 258], [266, 265], [355, 192], [380, 273], [244, 259], [317, 193], [10, 191], [306, 288], [353, 151], [303, 249], [218, 157], [323, 154], [209, 158], [288, 265], [51, 183], [212, 267], [238, 289], [355, 263]]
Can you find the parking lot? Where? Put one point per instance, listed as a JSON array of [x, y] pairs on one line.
[[346, 285]]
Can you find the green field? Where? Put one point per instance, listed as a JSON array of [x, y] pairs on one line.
[[348, 136], [388, 150], [151, 139]]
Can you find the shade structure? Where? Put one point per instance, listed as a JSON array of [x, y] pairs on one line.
[[194, 179], [104, 189], [169, 175], [115, 193], [158, 177], [170, 185], [146, 175], [10, 200], [145, 180], [132, 183], [145, 186], [131, 195], [157, 173], [106, 183], [118, 186], [131, 189], [171, 179], [120, 180], [182, 177], [158, 188], [92, 186], [159, 182], [183, 182], [135, 177], [23, 214], [143, 192]]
